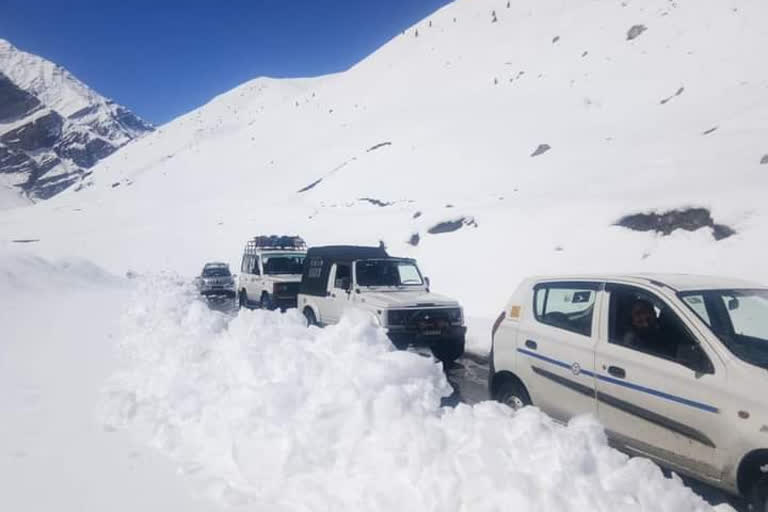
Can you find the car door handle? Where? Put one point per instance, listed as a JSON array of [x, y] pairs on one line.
[[333, 295], [531, 344], [617, 372]]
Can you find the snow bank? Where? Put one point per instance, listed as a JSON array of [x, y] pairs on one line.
[[22, 271], [263, 412]]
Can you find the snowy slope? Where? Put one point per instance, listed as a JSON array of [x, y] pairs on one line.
[[52, 126], [463, 105]]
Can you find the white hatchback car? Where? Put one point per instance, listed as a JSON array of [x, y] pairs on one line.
[[674, 366]]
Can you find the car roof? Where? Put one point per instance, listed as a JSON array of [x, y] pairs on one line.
[[347, 252], [678, 282]]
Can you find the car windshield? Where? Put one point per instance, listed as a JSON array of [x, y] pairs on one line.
[[738, 317], [284, 264], [388, 273], [216, 271]]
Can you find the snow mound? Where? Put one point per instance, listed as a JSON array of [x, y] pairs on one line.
[[264, 412], [26, 272]]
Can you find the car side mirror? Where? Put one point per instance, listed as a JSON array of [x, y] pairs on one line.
[[692, 356], [733, 304]]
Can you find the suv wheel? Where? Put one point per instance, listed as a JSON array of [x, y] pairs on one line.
[[309, 316], [512, 393], [759, 496], [266, 302], [244, 303], [449, 350]]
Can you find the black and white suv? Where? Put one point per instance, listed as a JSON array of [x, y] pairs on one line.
[[392, 290], [270, 272]]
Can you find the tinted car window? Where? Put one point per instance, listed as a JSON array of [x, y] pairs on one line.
[[568, 307], [641, 321], [216, 272]]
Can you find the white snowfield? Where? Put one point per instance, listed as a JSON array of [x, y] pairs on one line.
[[438, 125]]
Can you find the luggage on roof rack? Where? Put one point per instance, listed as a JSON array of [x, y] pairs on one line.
[[275, 243]]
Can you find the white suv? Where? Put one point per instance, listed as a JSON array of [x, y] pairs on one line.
[[674, 366], [271, 271], [391, 290]]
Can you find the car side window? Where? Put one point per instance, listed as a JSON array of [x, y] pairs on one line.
[[641, 321], [567, 306], [342, 279]]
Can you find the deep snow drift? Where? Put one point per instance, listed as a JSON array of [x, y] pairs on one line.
[[266, 414], [59, 323]]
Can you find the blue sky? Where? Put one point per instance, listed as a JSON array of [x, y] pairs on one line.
[[162, 59]]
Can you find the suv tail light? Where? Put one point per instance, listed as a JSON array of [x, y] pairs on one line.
[[497, 324]]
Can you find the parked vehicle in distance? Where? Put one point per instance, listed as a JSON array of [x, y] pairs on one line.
[[217, 284], [270, 272], [674, 367], [392, 290]]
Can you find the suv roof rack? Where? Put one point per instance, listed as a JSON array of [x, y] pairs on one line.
[[275, 243]]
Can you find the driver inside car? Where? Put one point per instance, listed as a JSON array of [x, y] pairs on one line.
[[644, 331]]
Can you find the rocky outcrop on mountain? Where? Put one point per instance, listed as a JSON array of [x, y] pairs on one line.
[[53, 128]]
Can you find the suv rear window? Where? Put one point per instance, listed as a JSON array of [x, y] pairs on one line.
[[568, 306]]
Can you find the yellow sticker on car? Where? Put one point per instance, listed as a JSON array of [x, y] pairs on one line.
[[514, 312]]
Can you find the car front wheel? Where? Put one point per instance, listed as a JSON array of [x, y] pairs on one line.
[[512, 393], [759, 498], [244, 303]]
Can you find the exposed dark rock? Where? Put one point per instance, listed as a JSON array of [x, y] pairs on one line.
[[678, 93], [541, 149], [15, 103], [450, 226], [377, 146], [414, 240], [635, 31], [417, 215], [764, 160], [375, 202], [41, 133], [83, 149], [116, 184], [12, 161], [707, 132], [48, 187], [555, 39], [310, 186], [665, 223], [25, 240]]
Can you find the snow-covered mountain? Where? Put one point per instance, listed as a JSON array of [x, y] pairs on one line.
[[492, 140], [53, 128]]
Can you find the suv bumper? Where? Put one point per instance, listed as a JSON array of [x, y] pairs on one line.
[[285, 302], [217, 293], [402, 338]]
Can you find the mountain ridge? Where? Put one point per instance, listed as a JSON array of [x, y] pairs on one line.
[[53, 127]]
